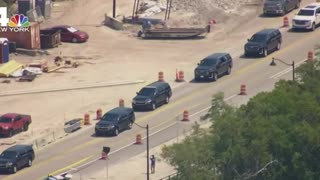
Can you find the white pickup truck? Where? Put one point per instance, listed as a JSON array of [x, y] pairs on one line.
[[307, 18]]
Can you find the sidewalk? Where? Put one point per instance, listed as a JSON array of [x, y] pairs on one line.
[[135, 167]]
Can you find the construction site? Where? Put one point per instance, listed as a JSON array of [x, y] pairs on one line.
[[64, 83]]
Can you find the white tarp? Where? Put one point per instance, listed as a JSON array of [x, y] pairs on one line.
[[150, 8], [34, 70]]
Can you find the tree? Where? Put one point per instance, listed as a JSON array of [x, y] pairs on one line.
[[192, 157], [276, 135]]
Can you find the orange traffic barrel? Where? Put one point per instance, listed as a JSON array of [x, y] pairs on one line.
[[160, 76], [177, 75], [87, 119], [99, 114], [121, 102], [180, 76], [286, 22], [104, 155], [185, 115], [138, 139], [310, 56], [243, 90]]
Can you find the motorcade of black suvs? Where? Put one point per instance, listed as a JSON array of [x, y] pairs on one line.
[[213, 67], [16, 157], [152, 96], [263, 42], [115, 121], [280, 7]]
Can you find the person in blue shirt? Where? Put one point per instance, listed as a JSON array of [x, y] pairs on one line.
[[153, 164]]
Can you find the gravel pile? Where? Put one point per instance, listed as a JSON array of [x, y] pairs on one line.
[[226, 5], [201, 11]]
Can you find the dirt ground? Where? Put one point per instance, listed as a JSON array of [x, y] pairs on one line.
[[116, 57]]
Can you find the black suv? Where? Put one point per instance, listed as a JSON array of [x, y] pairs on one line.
[[213, 66], [115, 120], [263, 42], [16, 157], [280, 7], [152, 96]]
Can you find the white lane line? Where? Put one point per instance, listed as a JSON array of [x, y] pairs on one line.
[[280, 73], [90, 162], [166, 127], [285, 71], [207, 108]]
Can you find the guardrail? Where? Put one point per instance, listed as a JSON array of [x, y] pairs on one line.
[[173, 176]]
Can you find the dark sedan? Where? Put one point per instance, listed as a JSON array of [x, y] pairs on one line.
[[70, 34]]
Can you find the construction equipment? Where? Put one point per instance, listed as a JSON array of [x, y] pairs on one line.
[[168, 10], [172, 33]]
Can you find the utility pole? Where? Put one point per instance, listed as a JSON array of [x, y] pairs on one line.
[[134, 9], [114, 9], [166, 14], [169, 9]]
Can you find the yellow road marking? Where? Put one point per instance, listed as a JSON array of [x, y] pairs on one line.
[[68, 167], [46, 162], [281, 51]]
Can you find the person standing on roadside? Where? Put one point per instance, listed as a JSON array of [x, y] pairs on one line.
[[153, 164]]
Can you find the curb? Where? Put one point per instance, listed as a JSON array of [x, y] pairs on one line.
[[7, 143], [100, 85]]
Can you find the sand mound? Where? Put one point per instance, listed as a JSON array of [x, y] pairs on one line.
[[199, 12]]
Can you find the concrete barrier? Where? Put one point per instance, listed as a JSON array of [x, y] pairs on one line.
[[48, 138], [59, 133], [45, 140], [32, 52], [72, 125], [112, 22]]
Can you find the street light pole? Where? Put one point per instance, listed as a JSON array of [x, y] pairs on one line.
[[273, 63], [293, 73], [148, 169], [148, 172]]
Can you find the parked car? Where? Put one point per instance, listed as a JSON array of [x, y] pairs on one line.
[[115, 120], [152, 96], [11, 123], [70, 34], [280, 7], [213, 67], [263, 42], [307, 18], [16, 157]]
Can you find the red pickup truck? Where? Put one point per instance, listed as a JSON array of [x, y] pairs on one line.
[[13, 122]]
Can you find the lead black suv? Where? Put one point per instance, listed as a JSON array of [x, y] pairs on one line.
[[213, 66], [263, 42], [16, 157], [115, 120], [152, 96], [280, 7]]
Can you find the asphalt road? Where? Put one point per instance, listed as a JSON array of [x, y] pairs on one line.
[[255, 73]]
